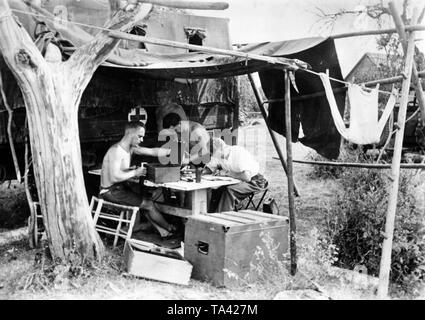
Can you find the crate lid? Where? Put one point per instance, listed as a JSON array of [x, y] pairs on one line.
[[241, 218]]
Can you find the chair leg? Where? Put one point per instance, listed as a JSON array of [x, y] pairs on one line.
[[132, 222], [261, 200], [118, 231], [250, 201], [92, 203], [96, 214], [36, 226]]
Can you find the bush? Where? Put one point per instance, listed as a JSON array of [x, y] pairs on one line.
[[349, 153], [355, 223]]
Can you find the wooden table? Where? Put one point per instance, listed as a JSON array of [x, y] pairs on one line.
[[197, 190], [198, 193]]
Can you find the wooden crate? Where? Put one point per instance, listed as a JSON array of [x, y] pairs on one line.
[[146, 260], [228, 240], [158, 173]]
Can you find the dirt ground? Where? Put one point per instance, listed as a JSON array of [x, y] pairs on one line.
[[17, 261]]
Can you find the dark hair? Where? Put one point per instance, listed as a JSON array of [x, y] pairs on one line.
[[171, 119], [134, 125]]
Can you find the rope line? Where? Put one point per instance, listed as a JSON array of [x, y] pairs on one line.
[[349, 83], [60, 20]]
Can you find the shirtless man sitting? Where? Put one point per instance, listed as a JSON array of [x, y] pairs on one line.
[[116, 171]]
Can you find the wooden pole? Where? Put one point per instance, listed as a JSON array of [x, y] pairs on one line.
[[272, 133], [283, 62], [417, 27], [192, 5], [385, 265], [308, 96], [401, 29], [391, 80], [290, 175], [359, 165]]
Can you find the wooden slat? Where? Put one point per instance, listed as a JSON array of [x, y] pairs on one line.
[[174, 211]]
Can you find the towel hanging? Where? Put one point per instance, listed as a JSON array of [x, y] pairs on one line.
[[365, 128]]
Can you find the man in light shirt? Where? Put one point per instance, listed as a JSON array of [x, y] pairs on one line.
[[116, 171], [238, 163]]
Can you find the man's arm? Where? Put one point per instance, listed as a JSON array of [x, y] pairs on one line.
[[244, 175], [213, 165], [120, 174], [153, 152]]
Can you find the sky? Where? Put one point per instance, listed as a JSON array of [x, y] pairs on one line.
[[275, 20]]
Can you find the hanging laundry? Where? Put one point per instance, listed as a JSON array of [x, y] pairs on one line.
[[364, 125]]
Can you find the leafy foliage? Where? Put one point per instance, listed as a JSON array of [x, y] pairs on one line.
[[247, 102], [355, 224]]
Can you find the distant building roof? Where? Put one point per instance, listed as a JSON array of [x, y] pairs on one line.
[[375, 57]]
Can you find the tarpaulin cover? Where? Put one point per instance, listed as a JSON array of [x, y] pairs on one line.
[[312, 114], [150, 64]]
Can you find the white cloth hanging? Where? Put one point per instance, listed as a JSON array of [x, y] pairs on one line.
[[365, 128]]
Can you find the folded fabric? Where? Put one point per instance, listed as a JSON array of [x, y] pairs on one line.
[[365, 128]]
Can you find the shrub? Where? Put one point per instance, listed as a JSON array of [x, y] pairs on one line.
[[355, 223], [349, 153]]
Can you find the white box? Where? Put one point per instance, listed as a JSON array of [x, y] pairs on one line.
[[144, 259]]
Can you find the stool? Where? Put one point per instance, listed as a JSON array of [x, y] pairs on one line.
[[114, 212], [250, 200]]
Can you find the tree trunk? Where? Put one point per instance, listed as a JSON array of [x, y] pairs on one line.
[[52, 92], [55, 147]]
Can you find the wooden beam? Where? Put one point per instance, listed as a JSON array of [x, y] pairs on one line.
[[174, 211], [391, 80], [260, 103], [290, 175], [385, 264], [401, 29], [411, 28], [359, 165], [307, 96], [192, 5], [278, 62]]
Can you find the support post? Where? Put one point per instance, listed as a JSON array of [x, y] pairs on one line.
[[401, 29], [290, 175], [385, 264], [272, 133]]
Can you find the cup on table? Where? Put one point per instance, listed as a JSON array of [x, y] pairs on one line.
[[198, 173]]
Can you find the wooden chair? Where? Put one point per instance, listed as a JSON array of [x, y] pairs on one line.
[[120, 214], [38, 225]]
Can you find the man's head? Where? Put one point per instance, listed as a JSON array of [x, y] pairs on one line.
[[134, 132], [172, 121]]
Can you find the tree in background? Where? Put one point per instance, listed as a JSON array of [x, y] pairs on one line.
[[389, 43], [247, 102]]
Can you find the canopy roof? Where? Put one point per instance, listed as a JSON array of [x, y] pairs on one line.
[[282, 48], [202, 65], [190, 65], [312, 114]]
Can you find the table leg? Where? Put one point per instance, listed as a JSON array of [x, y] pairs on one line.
[[199, 201]]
